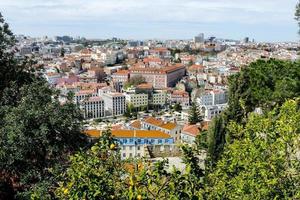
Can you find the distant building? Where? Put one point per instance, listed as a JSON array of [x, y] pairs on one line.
[[170, 128], [115, 103], [137, 100], [160, 77], [92, 108], [137, 143], [199, 38]]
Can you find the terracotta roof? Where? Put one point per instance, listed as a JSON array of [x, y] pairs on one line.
[[121, 72], [117, 127], [160, 123], [136, 124], [130, 134], [154, 121], [145, 86], [169, 126], [162, 70], [192, 130]]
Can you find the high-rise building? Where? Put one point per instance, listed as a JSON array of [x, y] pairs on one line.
[[199, 38]]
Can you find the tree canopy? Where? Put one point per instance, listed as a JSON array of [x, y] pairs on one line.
[[36, 132], [264, 163]]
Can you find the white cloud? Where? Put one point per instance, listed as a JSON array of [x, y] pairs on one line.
[[138, 13], [247, 11]]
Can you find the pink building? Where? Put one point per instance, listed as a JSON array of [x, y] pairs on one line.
[[181, 97], [162, 77]]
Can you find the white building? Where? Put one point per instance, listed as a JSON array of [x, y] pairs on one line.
[[115, 103], [137, 100], [212, 111], [92, 108], [84, 94], [213, 97], [159, 98]]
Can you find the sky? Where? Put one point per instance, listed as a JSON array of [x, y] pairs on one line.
[[263, 20]]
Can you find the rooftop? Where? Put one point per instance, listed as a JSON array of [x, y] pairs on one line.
[[130, 134]]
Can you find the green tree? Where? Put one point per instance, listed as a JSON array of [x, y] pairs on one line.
[[95, 174], [194, 115], [262, 84], [297, 14], [135, 81], [177, 107], [37, 133], [263, 163], [13, 73]]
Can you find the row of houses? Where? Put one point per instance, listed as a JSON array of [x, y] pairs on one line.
[[140, 137]]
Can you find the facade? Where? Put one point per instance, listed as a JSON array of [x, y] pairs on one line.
[[213, 97], [170, 128], [159, 98], [160, 77], [135, 143], [115, 103], [181, 97], [84, 94], [189, 133], [92, 108], [120, 76], [137, 100], [212, 111]]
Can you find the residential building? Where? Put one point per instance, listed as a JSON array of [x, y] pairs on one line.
[[137, 100], [115, 103], [170, 128], [181, 97], [160, 77], [92, 108], [135, 143], [84, 94], [189, 133]]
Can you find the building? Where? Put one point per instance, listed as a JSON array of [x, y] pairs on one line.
[[199, 38], [160, 77], [212, 111], [115, 103], [181, 97], [92, 108], [135, 143], [189, 133], [170, 128], [84, 94], [137, 100], [120, 76], [159, 98], [213, 97]]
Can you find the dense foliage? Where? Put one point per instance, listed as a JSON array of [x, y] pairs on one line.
[[99, 174], [194, 114], [36, 131], [264, 163], [261, 85]]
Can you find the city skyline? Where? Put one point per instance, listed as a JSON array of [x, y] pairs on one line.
[[130, 19]]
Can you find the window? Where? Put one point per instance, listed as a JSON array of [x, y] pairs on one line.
[[130, 155], [124, 155], [138, 148], [159, 141], [131, 140], [130, 148], [138, 155], [125, 141]]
